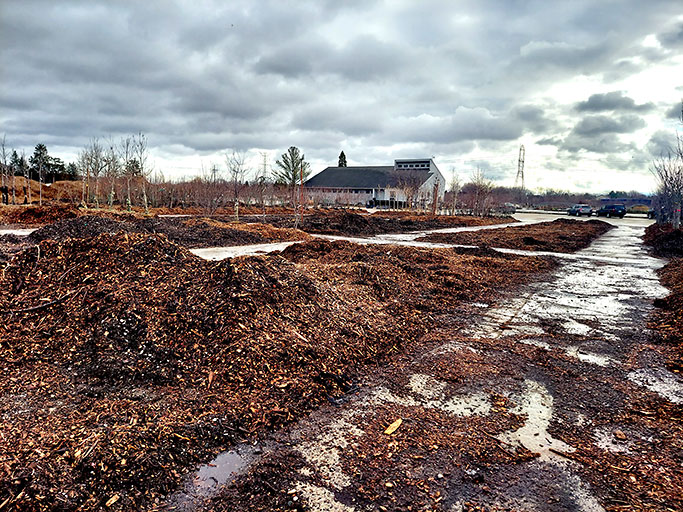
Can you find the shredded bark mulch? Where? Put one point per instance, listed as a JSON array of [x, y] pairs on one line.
[[348, 223], [127, 360], [188, 232], [561, 235], [664, 240]]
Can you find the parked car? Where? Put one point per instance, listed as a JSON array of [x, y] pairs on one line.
[[580, 209], [612, 210]]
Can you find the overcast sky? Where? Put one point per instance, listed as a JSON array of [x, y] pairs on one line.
[[592, 88]]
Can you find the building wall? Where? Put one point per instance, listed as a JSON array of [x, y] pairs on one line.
[[330, 196]]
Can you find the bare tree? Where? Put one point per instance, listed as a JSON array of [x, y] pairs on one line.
[[84, 168], [112, 168], [141, 152], [26, 171], [91, 163], [237, 170], [668, 169], [97, 163], [410, 181], [4, 156], [262, 183], [455, 190], [129, 166], [482, 192]]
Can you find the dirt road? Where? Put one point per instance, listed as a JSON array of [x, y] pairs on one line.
[[556, 400]]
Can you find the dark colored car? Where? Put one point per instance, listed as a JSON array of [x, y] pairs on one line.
[[612, 210]]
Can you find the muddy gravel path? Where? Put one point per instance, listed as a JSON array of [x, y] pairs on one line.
[[552, 401]]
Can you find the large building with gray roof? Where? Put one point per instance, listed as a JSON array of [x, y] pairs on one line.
[[408, 182]]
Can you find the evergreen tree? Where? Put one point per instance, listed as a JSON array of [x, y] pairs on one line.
[[342, 160], [39, 161], [71, 171], [16, 163], [290, 168]]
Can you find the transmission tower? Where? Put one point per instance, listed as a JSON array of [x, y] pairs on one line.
[[520, 168]]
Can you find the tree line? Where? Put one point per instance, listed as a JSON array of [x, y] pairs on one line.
[[119, 172]]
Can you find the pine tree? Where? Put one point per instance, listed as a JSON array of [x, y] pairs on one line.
[[342, 160], [289, 169]]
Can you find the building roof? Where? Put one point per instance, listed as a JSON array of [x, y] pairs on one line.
[[379, 176]]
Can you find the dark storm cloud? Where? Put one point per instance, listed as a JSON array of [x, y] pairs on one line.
[[661, 143], [672, 37], [675, 112], [549, 141], [383, 78], [597, 125], [464, 125], [363, 59], [599, 134], [604, 143], [534, 118], [615, 100]]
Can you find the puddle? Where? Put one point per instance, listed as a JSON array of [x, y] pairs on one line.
[[661, 381], [208, 480]]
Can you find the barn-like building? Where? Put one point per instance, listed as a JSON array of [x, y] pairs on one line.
[[408, 182]]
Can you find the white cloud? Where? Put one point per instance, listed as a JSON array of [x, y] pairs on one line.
[[585, 86]]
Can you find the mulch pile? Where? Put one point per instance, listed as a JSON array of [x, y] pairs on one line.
[[664, 240], [561, 235], [347, 223], [667, 320], [127, 360], [11, 245], [32, 215], [188, 232]]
